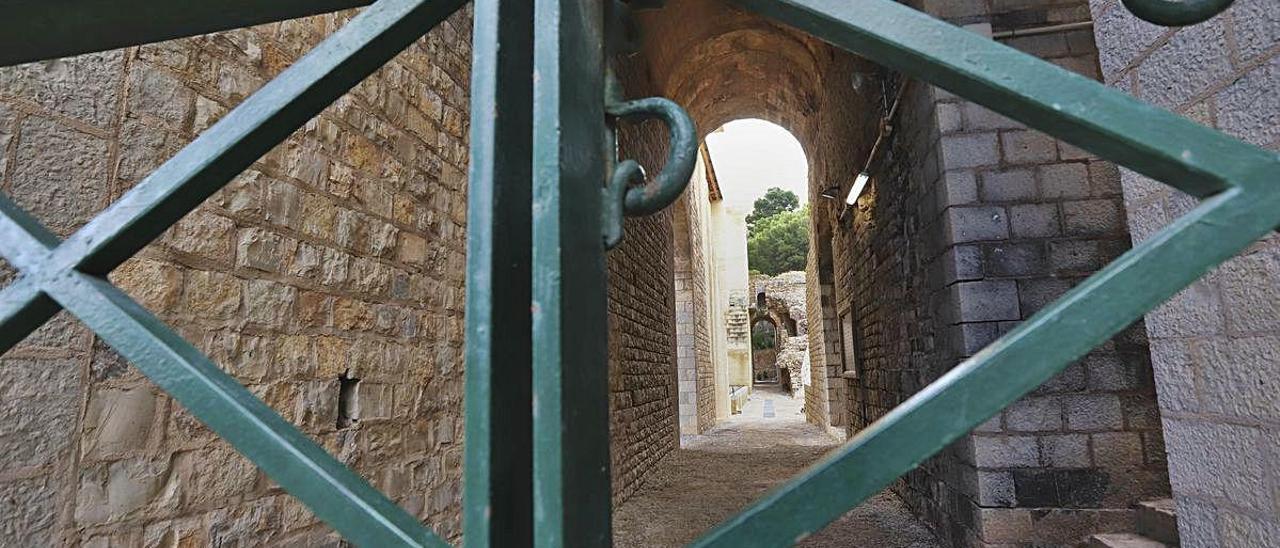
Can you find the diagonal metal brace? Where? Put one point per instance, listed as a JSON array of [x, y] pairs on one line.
[[219, 154]]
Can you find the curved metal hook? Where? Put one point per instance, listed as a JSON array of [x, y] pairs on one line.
[[1176, 13], [622, 198]]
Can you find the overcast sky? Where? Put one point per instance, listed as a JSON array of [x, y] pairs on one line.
[[750, 156]]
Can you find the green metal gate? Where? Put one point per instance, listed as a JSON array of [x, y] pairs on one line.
[[537, 452]]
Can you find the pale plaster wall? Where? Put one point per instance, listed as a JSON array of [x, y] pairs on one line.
[[733, 299]]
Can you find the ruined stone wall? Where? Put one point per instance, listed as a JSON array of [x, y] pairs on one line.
[[1215, 345], [785, 304], [339, 254], [972, 225]]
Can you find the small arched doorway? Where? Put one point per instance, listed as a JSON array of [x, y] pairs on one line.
[[764, 351]]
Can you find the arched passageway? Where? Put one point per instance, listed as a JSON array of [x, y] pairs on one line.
[[723, 64], [964, 225], [764, 351]]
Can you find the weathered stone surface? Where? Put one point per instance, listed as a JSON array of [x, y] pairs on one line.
[[59, 173]]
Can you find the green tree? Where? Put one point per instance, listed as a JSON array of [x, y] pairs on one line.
[[774, 201], [780, 243]]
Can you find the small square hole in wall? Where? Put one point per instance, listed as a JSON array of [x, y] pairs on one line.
[[348, 401]]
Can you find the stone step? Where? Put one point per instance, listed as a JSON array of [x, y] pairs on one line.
[[1158, 521], [1123, 540]]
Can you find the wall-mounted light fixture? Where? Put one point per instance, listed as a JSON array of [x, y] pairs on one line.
[[859, 185], [831, 193]]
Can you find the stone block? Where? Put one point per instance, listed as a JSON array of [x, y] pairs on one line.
[[30, 510], [969, 150], [1117, 449], [1034, 414], [996, 489], [268, 303], [1027, 147], [971, 224], [1034, 221], [262, 250], [59, 174], [985, 301], [1220, 461], [1005, 451], [212, 295], [1004, 525], [958, 188], [1249, 293], [155, 285], [1064, 181], [1016, 259], [1076, 256], [962, 263], [85, 87], [1013, 185], [1094, 412], [1196, 310], [1257, 27], [1092, 218], [1235, 377], [1194, 59], [1066, 451], [159, 97], [118, 421]]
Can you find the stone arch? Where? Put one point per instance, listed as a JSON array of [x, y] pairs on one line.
[[724, 64]]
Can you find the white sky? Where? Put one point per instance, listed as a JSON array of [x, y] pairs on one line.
[[751, 156]]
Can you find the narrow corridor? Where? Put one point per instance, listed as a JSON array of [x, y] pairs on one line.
[[719, 473]]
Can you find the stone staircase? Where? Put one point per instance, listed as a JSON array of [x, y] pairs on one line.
[[1157, 528]]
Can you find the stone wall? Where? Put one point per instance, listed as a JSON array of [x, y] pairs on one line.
[[643, 410], [972, 225], [1214, 346], [335, 261], [331, 271], [694, 265]]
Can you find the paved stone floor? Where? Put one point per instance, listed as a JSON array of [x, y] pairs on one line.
[[720, 472]]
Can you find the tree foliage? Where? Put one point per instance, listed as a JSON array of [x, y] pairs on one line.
[[779, 243], [774, 201]]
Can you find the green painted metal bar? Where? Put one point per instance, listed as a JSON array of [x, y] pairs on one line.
[[250, 130], [570, 362], [335, 493], [31, 30], [1149, 140], [498, 478], [23, 307], [1243, 205]]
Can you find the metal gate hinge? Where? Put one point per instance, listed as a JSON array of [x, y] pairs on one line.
[[628, 192], [620, 197]]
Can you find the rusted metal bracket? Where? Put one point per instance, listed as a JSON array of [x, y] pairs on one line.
[[621, 198]]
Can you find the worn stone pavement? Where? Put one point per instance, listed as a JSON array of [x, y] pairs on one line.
[[720, 472]]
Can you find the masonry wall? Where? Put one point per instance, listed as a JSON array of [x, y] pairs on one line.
[[340, 253], [337, 260], [1214, 346], [972, 225], [694, 259], [643, 410]]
